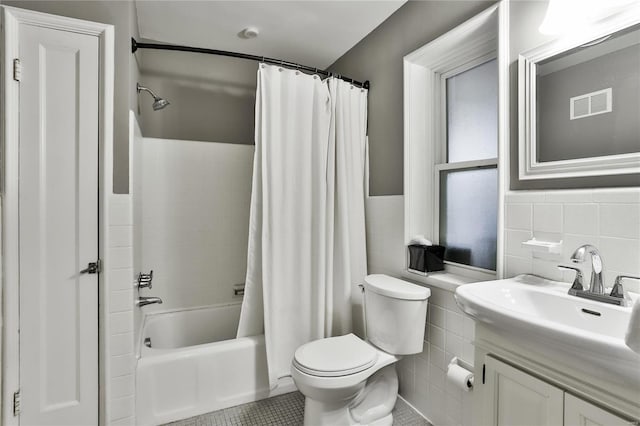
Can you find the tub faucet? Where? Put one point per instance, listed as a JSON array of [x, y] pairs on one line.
[[144, 301], [597, 283]]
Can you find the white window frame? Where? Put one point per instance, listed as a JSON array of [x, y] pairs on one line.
[[425, 70]]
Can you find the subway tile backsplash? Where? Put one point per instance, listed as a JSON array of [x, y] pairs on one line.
[[607, 218]]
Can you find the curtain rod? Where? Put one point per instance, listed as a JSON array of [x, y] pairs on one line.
[[135, 45]]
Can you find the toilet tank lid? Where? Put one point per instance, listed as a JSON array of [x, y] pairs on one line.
[[393, 287]]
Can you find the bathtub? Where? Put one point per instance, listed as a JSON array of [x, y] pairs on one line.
[[195, 365]]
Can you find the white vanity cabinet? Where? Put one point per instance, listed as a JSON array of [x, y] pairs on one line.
[[512, 397], [580, 412]]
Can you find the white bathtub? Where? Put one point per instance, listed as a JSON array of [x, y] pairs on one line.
[[196, 365]]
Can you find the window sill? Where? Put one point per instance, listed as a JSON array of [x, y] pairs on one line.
[[443, 280]]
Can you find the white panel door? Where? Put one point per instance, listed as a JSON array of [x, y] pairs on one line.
[[578, 412], [514, 398], [58, 231]]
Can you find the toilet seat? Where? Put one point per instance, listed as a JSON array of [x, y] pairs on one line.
[[335, 356]]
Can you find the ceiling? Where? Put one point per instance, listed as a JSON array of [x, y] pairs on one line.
[[313, 33]]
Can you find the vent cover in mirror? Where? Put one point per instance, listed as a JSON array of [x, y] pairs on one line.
[[593, 103]]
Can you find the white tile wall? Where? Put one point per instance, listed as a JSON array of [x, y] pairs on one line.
[[423, 376], [607, 218], [448, 333], [120, 356]]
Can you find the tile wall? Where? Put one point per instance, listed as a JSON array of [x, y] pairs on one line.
[[120, 386], [423, 376], [606, 218], [448, 333]]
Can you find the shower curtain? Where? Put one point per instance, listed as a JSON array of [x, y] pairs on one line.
[[306, 251]]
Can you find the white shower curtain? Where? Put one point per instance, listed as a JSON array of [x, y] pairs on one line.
[[347, 193], [303, 262]]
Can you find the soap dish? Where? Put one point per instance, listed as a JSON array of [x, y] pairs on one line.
[[554, 247]]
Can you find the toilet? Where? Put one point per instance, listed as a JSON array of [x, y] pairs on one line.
[[350, 381]]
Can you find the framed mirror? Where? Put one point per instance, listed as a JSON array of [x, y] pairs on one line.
[[579, 102]]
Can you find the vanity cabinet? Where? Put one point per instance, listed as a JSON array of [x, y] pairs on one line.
[[580, 412], [512, 397]]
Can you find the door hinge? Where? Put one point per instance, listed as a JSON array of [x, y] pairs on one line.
[[16, 403], [17, 69], [483, 372]]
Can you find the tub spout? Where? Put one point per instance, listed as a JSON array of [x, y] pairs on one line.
[[143, 301]]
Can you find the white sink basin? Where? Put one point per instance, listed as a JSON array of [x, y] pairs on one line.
[[581, 333]]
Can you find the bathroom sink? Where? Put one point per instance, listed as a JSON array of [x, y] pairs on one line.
[[538, 313]]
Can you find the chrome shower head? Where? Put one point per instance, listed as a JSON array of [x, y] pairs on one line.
[[158, 102]]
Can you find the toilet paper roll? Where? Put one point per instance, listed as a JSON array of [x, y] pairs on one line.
[[460, 376]]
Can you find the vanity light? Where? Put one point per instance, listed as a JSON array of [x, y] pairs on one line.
[[565, 17]]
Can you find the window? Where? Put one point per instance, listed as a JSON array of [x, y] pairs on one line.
[[451, 175], [467, 174]]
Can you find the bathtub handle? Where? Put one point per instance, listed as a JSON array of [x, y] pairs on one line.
[[144, 280], [238, 289]]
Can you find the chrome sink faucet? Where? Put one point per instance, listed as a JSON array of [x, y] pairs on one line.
[[596, 289], [596, 285]]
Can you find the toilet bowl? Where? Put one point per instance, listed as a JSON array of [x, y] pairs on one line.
[[350, 381]]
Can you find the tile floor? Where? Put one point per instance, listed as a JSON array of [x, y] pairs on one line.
[[283, 410]]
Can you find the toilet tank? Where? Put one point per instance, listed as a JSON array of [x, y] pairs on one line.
[[395, 314]]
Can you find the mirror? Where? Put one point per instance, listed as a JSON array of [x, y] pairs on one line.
[[579, 103]]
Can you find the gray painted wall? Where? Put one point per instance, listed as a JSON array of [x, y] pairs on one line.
[[615, 132], [122, 15], [212, 97], [525, 18], [378, 58]]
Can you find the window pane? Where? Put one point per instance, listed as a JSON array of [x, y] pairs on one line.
[[469, 216], [472, 114]]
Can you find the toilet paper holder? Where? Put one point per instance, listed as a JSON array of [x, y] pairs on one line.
[[461, 373]]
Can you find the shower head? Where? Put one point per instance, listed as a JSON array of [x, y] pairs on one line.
[[158, 102]]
